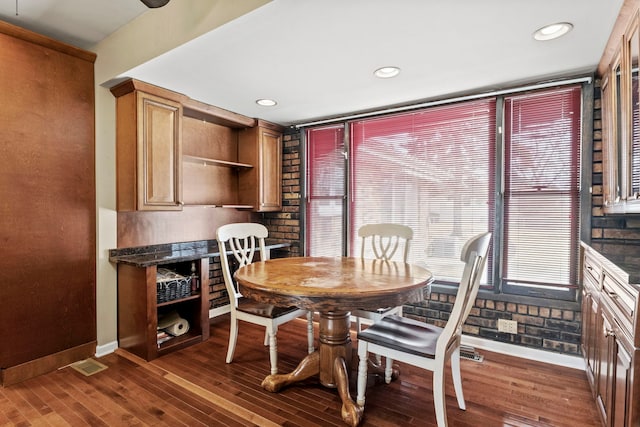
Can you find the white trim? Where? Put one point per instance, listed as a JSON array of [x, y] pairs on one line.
[[103, 350], [219, 311], [565, 360]]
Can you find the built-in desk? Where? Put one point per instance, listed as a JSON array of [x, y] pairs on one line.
[[139, 307]]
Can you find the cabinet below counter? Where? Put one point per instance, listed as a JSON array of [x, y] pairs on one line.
[[611, 330]]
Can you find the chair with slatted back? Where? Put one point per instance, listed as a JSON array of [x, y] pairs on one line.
[[383, 241], [243, 240], [423, 345]]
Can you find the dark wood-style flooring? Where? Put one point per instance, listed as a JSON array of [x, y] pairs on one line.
[[195, 386]]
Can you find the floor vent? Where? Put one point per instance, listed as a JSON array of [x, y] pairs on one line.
[[88, 367], [470, 353]]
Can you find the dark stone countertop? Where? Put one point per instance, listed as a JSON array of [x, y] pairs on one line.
[[624, 256], [146, 256]]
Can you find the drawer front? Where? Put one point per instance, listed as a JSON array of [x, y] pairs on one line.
[[622, 299], [592, 269]]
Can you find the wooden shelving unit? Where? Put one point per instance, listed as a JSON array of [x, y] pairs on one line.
[[139, 310]]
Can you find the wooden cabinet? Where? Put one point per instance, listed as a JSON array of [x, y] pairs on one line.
[[149, 147], [174, 151], [621, 123], [611, 339], [591, 322], [139, 309], [211, 165], [261, 186]]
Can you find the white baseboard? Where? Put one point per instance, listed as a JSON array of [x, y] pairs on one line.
[[565, 360], [103, 350]]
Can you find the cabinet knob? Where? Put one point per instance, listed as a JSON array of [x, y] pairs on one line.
[[609, 333]]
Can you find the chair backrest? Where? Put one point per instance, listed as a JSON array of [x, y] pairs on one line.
[[474, 254], [385, 239], [243, 239]]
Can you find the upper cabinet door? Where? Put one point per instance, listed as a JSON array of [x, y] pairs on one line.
[[271, 170], [612, 135], [621, 125], [632, 111], [149, 147], [261, 186], [159, 160]]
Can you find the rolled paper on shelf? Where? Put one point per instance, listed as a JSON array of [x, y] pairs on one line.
[[180, 327]]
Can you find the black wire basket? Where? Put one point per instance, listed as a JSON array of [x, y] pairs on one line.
[[171, 285]]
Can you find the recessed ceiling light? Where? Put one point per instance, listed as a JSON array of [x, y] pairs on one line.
[[553, 31], [266, 102], [386, 72]]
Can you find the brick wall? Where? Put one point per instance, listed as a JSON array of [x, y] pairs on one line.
[[539, 325], [285, 225]]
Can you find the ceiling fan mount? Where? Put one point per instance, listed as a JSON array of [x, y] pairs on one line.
[[154, 3]]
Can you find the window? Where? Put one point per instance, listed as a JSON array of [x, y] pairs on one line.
[[542, 191], [444, 172], [430, 170], [325, 191]]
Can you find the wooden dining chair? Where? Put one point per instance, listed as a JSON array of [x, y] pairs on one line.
[[423, 345], [383, 241], [242, 239]]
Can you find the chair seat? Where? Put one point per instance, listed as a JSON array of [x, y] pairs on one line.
[[268, 311], [403, 334]]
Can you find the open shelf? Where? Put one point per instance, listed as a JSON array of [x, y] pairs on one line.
[[194, 295], [215, 162]]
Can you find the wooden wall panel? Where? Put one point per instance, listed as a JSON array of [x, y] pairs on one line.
[[47, 197]]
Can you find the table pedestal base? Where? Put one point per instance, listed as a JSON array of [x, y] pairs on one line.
[[331, 362]]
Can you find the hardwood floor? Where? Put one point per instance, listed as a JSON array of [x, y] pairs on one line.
[[195, 386]]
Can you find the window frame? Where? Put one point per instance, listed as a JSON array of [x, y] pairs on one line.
[[497, 287]]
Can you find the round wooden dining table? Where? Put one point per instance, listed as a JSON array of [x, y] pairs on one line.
[[333, 287]]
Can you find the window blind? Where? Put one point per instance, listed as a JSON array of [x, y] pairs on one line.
[[325, 191], [430, 170], [542, 189]]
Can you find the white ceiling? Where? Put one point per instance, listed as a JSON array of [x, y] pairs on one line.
[[316, 57]]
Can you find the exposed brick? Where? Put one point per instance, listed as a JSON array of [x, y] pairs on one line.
[[529, 341], [528, 320], [542, 332], [562, 325]]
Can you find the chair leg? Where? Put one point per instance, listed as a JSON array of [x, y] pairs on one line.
[[363, 353], [457, 379], [233, 337], [439, 395], [388, 369], [310, 339], [273, 349]]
